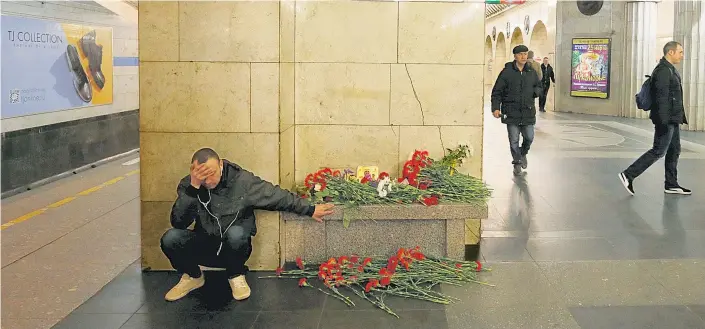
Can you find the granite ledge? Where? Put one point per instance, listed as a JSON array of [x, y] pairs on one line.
[[477, 210]]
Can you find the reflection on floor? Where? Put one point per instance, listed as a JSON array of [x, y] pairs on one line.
[[569, 248]]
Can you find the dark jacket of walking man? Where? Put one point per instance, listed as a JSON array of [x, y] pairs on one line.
[[548, 77], [667, 114], [513, 96], [221, 197]]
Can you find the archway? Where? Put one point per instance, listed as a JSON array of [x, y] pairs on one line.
[[500, 55], [517, 39], [539, 42], [489, 61]]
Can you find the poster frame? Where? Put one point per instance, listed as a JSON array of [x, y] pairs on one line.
[[55, 20], [583, 94]]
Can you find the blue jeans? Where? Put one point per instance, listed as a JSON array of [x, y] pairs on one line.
[[527, 131], [187, 249], [667, 141]]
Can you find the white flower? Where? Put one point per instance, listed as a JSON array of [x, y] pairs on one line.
[[317, 187]]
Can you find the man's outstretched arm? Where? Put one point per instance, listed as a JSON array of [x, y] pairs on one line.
[[267, 196]]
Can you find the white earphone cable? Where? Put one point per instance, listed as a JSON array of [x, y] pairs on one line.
[[217, 220]]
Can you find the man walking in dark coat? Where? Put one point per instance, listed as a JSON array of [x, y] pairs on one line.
[[667, 114], [548, 77], [513, 96], [221, 197]]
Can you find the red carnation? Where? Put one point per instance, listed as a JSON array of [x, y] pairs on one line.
[[430, 201], [479, 266], [309, 181], [366, 261], [302, 282], [386, 281], [354, 259], [369, 286], [383, 175], [279, 271], [299, 263]]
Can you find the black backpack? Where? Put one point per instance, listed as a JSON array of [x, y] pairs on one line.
[[645, 99]]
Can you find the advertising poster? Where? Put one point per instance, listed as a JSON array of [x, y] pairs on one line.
[[49, 66], [590, 68]]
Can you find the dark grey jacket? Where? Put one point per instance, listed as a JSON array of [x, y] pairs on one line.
[[239, 193], [514, 93], [668, 95]]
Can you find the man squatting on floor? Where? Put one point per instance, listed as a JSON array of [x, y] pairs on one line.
[[221, 198]]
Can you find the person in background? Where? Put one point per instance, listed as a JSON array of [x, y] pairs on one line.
[[513, 99], [221, 197], [667, 114], [548, 77]]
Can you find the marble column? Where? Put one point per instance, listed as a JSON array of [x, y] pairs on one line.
[[689, 30], [640, 42], [284, 88]]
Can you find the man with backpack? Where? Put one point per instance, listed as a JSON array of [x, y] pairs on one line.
[[662, 95]]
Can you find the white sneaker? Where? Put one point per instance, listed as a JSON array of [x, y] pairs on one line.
[[240, 288], [185, 286]]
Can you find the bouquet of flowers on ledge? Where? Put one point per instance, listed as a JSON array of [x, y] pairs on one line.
[[409, 274], [424, 180]]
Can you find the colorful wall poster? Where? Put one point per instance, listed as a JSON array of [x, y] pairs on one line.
[[49, 66], [590, 68]]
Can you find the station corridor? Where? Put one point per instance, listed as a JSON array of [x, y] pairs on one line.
[[568, 248]]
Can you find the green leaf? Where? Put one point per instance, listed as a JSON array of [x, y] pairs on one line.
[[346, 219]]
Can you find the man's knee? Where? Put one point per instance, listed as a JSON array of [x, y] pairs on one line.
[[236, 236], [173, 239]]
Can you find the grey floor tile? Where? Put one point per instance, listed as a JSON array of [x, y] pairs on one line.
[[230, 320], [293, 319], [125, 294], [699, 310], [669, 243], [418, 319], [536, 316], [515, 283], [683, 278], [92, 321], [637, 317], [216, 296], [570, 249], [605, 283], [505, 249]]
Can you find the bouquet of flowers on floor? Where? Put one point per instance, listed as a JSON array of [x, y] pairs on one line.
[[409, 273], [424, 180]]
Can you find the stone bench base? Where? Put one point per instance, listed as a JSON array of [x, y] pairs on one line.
[[381, 230]]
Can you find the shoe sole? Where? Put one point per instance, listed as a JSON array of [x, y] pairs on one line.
[[242, 297], [677, 192], [625, 183], [186, 293]]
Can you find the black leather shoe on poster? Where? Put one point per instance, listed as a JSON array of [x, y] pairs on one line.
[[80, 79], [94, 53]]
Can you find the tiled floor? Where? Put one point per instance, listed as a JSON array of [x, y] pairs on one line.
[[567, 246]]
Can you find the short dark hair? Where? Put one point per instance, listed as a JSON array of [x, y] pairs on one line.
[[671, 45], [545, 57], [204, 154]]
